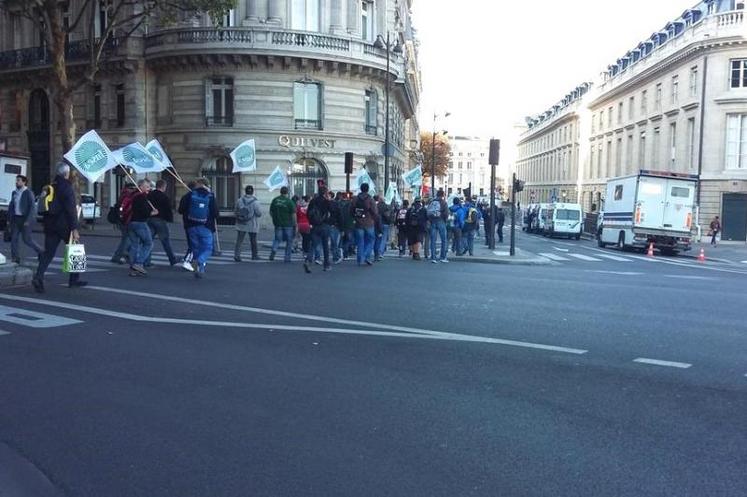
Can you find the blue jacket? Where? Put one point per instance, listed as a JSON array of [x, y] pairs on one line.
[[459, 214], [184, 205]]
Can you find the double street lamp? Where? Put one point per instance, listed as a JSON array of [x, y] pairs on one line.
[[391, 48], [433, 151]]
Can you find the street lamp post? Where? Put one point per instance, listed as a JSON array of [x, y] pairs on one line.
[[433, 152], [397, 49]]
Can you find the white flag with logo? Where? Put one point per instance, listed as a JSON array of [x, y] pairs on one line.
[[414, 177], [244, 157], [276, 180], [391, 193], [138, 158], [364, 177], [91, 157], [157, 151]]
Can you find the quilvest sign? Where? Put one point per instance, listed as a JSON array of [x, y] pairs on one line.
[[293, 141]]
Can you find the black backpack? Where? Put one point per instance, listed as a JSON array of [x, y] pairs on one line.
[[415, 216], [316, 216]]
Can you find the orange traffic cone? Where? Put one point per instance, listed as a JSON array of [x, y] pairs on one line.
[[651, 249], [701, 257]]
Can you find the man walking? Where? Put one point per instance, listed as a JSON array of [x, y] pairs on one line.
[[283, 213], [141, 238], [247, 221], [438, 213], [417, 220], [123, 209], [402, 227], [159, 224], [20, 217], [457, 225], [386, 215], [500, 220], [363, 209], [60, 225], [201, 213], [336, 227], [715, 230], [471, 224], [183, 210], [320, 219]]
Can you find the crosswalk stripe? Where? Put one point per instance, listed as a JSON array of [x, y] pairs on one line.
[[554, 257], [585, 257], [614, 258]]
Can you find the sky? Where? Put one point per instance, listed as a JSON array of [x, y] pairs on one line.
[[490, 63]]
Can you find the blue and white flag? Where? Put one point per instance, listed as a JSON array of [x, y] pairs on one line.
[[364, 177], [414, 177], [138, 158], [91, 157], [276, 180], [157, 151], [392, 194], [244, 157]]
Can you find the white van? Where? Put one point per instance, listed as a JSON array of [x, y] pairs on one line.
[[540, 220], [564, 220], [10, 167]]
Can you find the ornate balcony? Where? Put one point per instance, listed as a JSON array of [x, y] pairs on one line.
[[36, 57]]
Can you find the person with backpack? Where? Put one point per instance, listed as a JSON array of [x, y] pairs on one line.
[[119, 215], [247, 221], [417, 219], [386, 216], [20, 217], [141, 238], [320, 218], [457, 215], [471, 223], [60, 225], [159, 224], [438, 213], [201, 212], [283, 213], [402, 227], [363, 209], [183, 209]]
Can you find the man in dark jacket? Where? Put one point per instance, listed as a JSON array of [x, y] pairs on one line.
[[201, 212], [141, 238], [500, 220], [366, 215], [438, 214], [20, 217], [320, 218], [60, 225], [159, 224], [188, 255]]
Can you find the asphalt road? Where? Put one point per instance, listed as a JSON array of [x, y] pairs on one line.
[[593, 376]]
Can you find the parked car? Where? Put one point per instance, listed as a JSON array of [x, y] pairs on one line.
[[91, 210]]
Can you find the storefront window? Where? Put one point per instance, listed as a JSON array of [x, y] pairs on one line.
[[304, 175]]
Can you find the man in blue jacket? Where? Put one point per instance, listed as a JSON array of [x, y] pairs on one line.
[[60, 225], [457, 213], [20, 217], [201, 213]]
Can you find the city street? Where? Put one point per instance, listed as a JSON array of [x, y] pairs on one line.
[[605, 373]]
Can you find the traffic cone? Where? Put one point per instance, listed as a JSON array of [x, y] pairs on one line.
[[651, 249], [701, 257]]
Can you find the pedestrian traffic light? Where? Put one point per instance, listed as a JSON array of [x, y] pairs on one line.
[[348, 162], [495, 152], [518, 185]]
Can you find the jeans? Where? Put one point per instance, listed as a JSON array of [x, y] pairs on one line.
[[306, 244], [334, 236], [438, 228], [201, 239], [348, 242], [402, 239], [320, 235], [384, 240], [284, 234], [240, 235], [714, 237], [499, 231], [141, 242], [160, 228], [51, 242], [365, 238], [458, 248], [124, 243], [21, 231], [468, 244]]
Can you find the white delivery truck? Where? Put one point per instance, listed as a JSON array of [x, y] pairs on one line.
[[564, 220], [539, 218], [650, 207], [10, 167]]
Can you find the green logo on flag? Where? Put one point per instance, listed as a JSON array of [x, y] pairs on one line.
[[137, 156], [91, 157], [244, 157]]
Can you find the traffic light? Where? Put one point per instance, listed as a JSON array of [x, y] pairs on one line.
[[518, 185]]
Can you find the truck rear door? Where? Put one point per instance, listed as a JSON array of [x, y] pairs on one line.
[[678, 205], [649, 209]]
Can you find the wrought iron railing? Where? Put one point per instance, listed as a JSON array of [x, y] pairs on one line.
[[75, 51], [308, 124], [219, 121]]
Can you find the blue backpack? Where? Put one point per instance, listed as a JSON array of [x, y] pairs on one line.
[[199, 207]]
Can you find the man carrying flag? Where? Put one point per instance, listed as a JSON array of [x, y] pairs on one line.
[[201, 212]]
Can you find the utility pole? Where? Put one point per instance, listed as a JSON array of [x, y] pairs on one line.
[[493, 160], [513, 216], [390, 48]]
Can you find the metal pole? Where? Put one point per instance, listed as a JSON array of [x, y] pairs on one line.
[[347, 183], [386, 125], [433, 157], [513, 216], [492, 207]]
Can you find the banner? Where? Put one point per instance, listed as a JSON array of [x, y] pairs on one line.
[[276, 180], [414, 177], [391, 194], [364, 177], [138, 158], [91, 157], [157, 151], [244, 157]]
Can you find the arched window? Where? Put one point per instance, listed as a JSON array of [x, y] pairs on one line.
[[224, 184], [304, 175]]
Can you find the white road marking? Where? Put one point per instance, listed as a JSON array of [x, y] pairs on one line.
[[693, 265], [656, 362], [422, 334], [4, 332], [688, 277], [585, 257], [744, 262], [560, 249], [554, 257], [502, 254], [614, 258], [621, 273], [33, 319]]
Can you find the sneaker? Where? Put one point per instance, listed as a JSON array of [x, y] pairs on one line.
[[434, 261], [307, 268], [140, 269], [368, 262], [444, 261], [188, 266], [318, 262], [134, 273], [272, 255], [328, 268], [338, 261]]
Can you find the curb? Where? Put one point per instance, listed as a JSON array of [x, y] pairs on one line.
[[13, 275], [537, 261]]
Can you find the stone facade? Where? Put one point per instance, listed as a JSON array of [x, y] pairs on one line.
[[306, 88], [677, 102]]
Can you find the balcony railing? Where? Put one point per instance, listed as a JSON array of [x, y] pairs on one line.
[[75, 51], [219, 121], [310, 40], [372, 130], [308, 124]]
